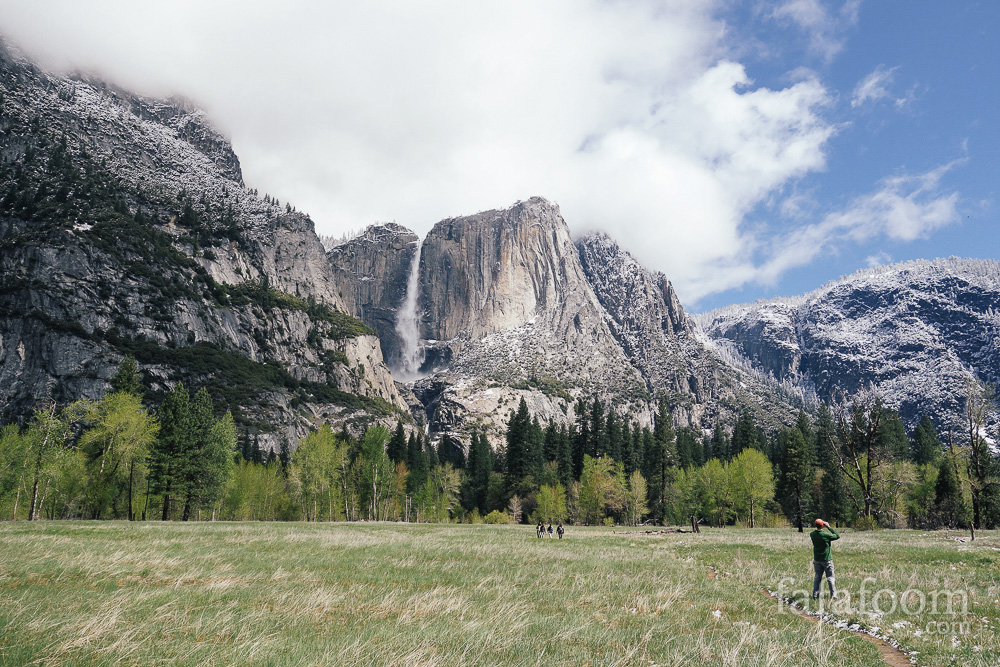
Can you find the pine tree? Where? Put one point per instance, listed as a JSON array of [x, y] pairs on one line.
[[949, 506], [478, 479], [892, 435], [637, 448], [416, 461], [614, 436], [697, 450], [519, 463], [720, 444], [795, 478], [826, 438], [551, 442], [581, 436], [284, 455], [744, 434], [598, 445], [806, 429], [168, 456], [431, 453], [126, 378], [535, 449], [926, 446], [396, 448], [687, 442], [833, 505], [196, 461], [564, 457], [628, 453], [660, 461]]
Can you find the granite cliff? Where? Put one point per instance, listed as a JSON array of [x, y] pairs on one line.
[[511, 307], [125, 227]]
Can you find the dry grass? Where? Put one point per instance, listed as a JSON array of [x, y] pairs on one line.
[[300, 594]]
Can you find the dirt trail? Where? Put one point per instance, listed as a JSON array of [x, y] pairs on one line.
[[893, 656]]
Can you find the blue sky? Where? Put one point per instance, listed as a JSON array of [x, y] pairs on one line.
[[745, 149], [934, 103]]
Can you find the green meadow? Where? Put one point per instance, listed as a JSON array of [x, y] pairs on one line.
[[115, 593]]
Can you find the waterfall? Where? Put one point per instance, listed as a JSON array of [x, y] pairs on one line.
[[407, 323]]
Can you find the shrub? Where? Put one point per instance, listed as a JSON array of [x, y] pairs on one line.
[[496, 517], [865, 523]]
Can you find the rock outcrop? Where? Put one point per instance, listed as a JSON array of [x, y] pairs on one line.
[[511, 307], [371, 271], [125, 227]]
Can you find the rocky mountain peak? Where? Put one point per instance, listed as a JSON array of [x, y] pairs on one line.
[[915, 332], [125, 228], [371, 270], [498, 270]]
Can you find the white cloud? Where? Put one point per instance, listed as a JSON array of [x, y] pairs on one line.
[[634, 117], [627, 115], [874, 87], [878, 259], [904, 208], [826, 25]]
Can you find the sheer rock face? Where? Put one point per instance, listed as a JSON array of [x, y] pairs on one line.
[[371, 271], [511, 307], [914, 332], [500, 270], [125, 227], [504, 292]]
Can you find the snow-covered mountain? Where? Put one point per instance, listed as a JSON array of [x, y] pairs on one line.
[[914, 332]]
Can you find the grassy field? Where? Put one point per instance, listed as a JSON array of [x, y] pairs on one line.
[[388, 594]]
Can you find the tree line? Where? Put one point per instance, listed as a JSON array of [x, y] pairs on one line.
[[853, 465]]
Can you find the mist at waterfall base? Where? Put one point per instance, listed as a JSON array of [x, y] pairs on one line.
[[407, 324]]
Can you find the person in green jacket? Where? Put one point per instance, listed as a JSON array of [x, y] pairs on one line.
[[823, 557]]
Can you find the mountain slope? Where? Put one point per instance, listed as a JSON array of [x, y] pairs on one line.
[[125, 227], [915, 332], [511, 307]]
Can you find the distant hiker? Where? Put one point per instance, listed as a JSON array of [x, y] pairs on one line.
[[550, 531], [560, 530], [540, 529], [823, 557]]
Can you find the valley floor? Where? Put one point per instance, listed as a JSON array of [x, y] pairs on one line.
[[87, 593]]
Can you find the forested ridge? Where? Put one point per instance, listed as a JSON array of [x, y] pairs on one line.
[[117, 458]]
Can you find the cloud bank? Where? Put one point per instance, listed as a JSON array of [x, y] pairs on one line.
[[636, 118]]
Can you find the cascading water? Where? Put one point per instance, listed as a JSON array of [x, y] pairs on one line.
[[407, 323]]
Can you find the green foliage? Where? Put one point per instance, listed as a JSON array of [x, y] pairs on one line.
[[438, 495], [496, 517], [752, 483], [602, 490], [127, 379], [545, 384], [660, 459], [926, 446], [635, 498], [238, 382], [117, 435], [796, 478], [375, 477], [259, 293], [317, 471], [550, 504], [479, 466], [950, 510]]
